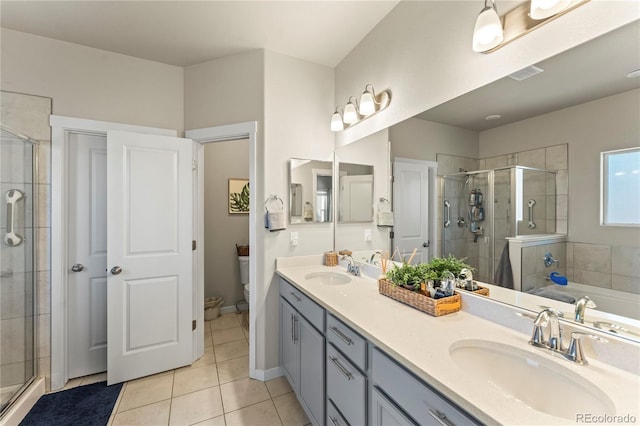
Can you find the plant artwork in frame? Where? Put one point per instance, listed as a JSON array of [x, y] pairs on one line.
[[238, 196]]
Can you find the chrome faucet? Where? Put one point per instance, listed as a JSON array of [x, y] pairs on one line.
[[373, 257], [581, 305], [547, 318], [352, 268], [550, 260]]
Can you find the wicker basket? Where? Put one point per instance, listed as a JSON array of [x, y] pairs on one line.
[[483, 291], [434, 307], [242, 250], [331, 258]]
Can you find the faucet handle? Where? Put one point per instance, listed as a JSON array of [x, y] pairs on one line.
[[575, 353]]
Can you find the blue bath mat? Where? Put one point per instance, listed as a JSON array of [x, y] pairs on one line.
[[89, 405]]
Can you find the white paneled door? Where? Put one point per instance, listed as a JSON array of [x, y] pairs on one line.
[[149, 262], [411, 208], [87, 254]]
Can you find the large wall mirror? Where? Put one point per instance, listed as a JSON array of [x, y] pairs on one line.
[[559, 119], [356, 192], [310, 191]]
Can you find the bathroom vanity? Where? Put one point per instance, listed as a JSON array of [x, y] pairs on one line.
[[356, 357]]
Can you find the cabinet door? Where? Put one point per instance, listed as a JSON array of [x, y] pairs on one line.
[[312, 369], [289, 352], [385, 413]]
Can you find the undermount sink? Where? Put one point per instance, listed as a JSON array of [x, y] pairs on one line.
[[538, 382], [329, 278]]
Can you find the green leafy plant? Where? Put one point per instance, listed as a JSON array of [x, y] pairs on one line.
[[239, 201], [438, 265], [407, 276]]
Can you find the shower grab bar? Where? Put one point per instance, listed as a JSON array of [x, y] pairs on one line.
[[12, 196], [531, 224], [447, 211]]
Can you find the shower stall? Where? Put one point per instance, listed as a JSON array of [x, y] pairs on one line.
[[18, 167], [483, 208]]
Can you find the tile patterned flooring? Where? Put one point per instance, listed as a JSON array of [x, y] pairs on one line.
[[215, 390]]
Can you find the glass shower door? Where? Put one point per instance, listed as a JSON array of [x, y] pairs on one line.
[[17, 265]]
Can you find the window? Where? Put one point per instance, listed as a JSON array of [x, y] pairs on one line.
[[620, 187]]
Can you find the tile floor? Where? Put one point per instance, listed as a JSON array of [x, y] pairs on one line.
[[215, 390]]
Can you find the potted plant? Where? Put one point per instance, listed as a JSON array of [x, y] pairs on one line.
[[406, 276], [438, 265]]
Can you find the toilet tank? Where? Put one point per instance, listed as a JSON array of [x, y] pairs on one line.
[[244, 269]]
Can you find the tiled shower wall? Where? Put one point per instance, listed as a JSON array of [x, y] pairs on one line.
[[30, 116], [552, 208]]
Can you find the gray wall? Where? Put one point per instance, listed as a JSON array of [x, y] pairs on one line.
[[588, 129], [222, 231]]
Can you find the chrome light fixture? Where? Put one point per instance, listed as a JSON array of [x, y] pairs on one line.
[[487, 33], [543, 9], [493, 31], [354, 112]]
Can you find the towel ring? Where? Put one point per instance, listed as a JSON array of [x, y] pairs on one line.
[[270, 199]]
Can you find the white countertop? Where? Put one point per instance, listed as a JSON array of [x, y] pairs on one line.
[[421, 343]]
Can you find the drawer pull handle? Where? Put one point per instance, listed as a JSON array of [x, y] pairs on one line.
[[295, 296], [440, 418], [343, 370], [341, 335], [334, 421]]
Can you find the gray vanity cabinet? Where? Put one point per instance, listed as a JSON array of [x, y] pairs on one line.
[[385, 412], [302, 349], [409, 395]]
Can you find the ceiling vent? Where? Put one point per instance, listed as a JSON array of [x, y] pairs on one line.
[[526, 73]]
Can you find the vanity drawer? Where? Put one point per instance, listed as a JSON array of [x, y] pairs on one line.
[[346, 387], [334, 418], [347, 341], [416, 398], [307, 308]]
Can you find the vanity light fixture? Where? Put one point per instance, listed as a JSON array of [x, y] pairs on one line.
[[543, 9], [493, 31], [351, 115], [354, 112], [487, 33], [336, 120]]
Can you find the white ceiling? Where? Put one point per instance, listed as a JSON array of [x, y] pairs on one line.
[[184, 33], [587, 72]]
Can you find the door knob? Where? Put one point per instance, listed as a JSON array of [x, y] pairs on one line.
[[116, 270], [78, 267]]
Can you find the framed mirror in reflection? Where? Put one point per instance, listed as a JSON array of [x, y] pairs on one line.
[[356, 193], [310, 191], [586, 101]]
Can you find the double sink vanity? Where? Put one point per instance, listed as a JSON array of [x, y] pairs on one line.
[[356, 357]]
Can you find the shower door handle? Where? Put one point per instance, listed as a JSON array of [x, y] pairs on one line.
[[116, 270], [447, 213], [12, 197], [78, 267]]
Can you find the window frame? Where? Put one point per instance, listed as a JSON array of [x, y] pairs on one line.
[[604, 175]]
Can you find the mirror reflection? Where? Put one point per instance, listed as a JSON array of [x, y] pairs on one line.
[[310, 191], [546, 222], [356, 193]]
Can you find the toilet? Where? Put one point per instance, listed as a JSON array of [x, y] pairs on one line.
[[244, 275]]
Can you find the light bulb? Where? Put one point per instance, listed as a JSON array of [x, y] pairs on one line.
[[350, 113], [367, 103], [488, 30], [336, 122], [542, 9]]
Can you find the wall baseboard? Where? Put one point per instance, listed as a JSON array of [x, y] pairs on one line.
[[243, 306], [266, 375]]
